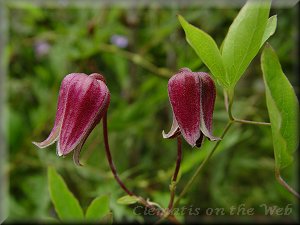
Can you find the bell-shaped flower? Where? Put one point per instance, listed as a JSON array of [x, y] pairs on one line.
[[192, 97], [82, 102]]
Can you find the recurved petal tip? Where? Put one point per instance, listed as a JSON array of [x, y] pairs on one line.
[[184, 69], [207, 133], [170, 134], [174, 131], [76, 161], [38, 144], [49, 141], [213, 138], [77, 154], [98, 76]]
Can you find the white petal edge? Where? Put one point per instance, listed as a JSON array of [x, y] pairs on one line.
[[206, 132], [174, 131]]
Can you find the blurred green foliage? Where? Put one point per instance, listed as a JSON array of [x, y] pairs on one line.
[[45, 44]]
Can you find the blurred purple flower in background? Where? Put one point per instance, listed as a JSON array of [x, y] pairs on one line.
[[41, 48], [119, 40]]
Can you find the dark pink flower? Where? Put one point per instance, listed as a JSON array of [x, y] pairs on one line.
[[192, 96], [82, 102]]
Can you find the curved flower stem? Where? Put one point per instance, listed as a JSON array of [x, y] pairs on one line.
[[168, 211], [284, 184], [174, 179], [141, 200], [109, 158], [204, 162]]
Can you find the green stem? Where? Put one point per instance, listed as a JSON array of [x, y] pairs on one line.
[[284, 184], [251, 122], [229, 102], [168, 211], [228, 95], [204, 162]]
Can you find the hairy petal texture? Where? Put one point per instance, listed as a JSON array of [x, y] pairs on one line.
[[184, 96], [86, 101], [82, 102], [208, 96], [192, 97]]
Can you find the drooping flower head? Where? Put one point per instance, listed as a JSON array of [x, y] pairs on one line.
[[82, 102], [192, 97]]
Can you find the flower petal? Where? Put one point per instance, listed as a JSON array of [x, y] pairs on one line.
[[207, 102], [87, 100], [59, 113], [77, 151], [98, 76], [78, 148], [184, 94], [174, 131]]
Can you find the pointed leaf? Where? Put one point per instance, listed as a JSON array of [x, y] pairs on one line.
[[98, 209], [270, 29], [244, 38], [65, 204], [128, 200], [283, 109], [206, 49]]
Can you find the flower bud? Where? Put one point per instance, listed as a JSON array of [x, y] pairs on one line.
[[192, 97], [82, 102]]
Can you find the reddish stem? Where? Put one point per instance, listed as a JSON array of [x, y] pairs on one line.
[[176, 171], [109, 158], [178, 161], [157, 212]]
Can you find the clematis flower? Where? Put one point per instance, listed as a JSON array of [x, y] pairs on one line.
[[82, 102], [192, 97]]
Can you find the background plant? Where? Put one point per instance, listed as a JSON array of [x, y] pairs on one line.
[[242, 169]]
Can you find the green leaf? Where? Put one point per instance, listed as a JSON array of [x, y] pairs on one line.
[[206, 49], [66, 205], [283, 108], [244, 38], [128, 200], [98, 208], [270, 29]]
